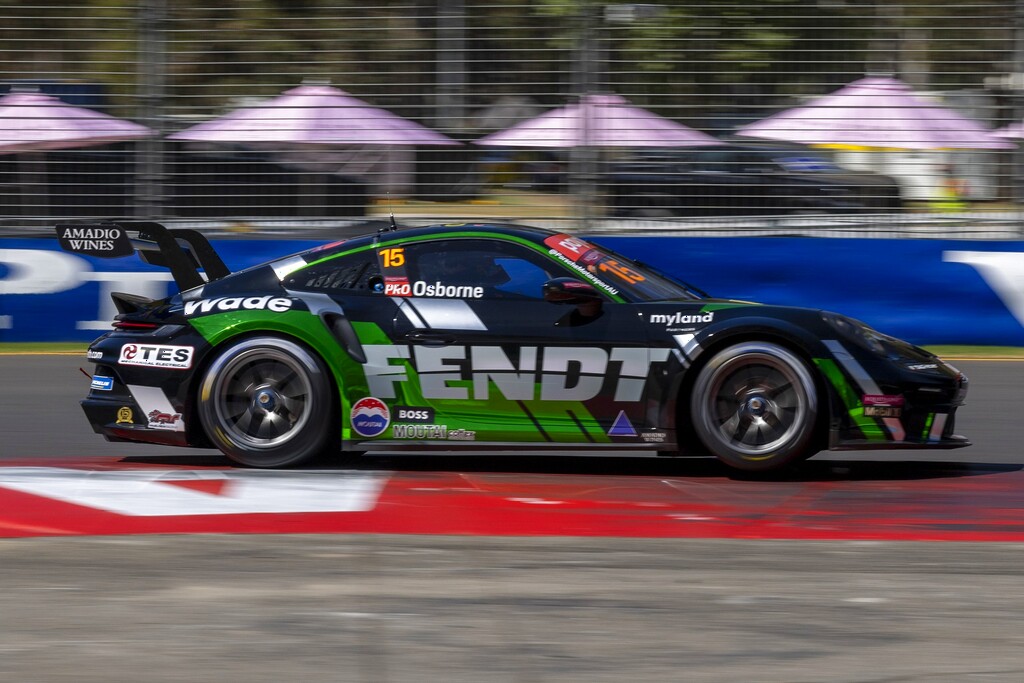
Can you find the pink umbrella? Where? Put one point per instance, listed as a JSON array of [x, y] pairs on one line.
[[875, 112], [1014, 131], [317, 115], [598, 121], [34, 122]]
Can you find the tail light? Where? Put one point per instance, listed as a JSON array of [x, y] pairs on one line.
[[134, 326]]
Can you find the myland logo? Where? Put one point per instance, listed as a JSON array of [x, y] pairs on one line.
[[678, 318]]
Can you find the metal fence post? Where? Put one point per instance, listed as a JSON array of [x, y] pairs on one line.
[[584, 159], [1017, 95], [151, 88]]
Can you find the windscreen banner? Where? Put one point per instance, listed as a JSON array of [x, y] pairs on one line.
[[924, 291]]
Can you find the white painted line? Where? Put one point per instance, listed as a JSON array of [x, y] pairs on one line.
[[166, 493]]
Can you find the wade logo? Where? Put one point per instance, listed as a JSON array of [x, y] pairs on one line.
[[276, 304]]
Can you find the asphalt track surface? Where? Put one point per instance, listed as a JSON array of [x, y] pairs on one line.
[[753, 605]]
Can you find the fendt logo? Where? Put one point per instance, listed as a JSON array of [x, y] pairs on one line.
[[557, 373]]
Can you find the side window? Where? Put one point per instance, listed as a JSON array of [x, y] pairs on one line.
[[525, 277], [477, 269], [345, 273]]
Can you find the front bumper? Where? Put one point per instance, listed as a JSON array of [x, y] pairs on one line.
[[881, 404]]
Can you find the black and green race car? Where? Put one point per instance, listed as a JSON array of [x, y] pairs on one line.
[[480, 336]]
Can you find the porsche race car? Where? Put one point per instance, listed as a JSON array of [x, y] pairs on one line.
[[482, 336]]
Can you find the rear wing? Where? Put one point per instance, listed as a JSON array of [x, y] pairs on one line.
[[184, 252]]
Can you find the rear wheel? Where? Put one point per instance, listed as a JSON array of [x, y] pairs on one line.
[[268, 402], [755, 406]]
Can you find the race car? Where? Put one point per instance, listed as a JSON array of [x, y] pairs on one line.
[[487, 336]]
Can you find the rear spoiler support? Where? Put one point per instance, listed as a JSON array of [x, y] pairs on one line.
[[184, 252]]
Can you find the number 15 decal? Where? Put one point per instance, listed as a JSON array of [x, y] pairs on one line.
[[393, 258], [619, 270]]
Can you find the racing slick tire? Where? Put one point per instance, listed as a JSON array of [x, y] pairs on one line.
[[268, 402], [755, 406]]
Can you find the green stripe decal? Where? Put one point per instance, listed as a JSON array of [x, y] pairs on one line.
[[927, 427], [732, 304], [869, 426]]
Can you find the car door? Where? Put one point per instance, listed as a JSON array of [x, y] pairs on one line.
[[488, 359], [346, 293]]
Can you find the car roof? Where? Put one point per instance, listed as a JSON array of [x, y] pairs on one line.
[[527, 232]]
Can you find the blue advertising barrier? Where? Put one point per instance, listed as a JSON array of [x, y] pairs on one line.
[[925, 291], [50, 295]]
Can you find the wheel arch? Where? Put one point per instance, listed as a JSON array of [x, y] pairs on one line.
[[196, 431], [715, 338]]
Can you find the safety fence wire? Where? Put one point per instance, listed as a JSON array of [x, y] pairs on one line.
[[825, 117]]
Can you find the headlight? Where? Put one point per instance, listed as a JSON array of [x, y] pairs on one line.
[[859, 333]]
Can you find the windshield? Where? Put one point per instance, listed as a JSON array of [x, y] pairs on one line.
[[617, 274]]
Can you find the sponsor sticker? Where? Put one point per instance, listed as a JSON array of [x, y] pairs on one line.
[[93, 355], [397, 286], [124, 415], [418, 431], [622, 426], [882, 405], [461, 435], [97, 239], [676, 320], [654, 437], [557, 373], [370, 417], [159, 420], [157, 356], [439, 289], [277, 304], [412, 414], [400, 286], [100, 383], [583, 270], [570, 247]]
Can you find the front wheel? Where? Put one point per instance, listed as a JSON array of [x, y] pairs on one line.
[[267, 402], [755, 406]]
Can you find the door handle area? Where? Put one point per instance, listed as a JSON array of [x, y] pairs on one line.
[[429, 338]]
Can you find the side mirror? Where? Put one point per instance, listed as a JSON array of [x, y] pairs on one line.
[[567, 290]]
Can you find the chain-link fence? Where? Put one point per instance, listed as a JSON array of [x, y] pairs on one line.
[[851, 115]]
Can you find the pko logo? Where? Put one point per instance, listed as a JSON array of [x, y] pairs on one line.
[[370, 417]]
